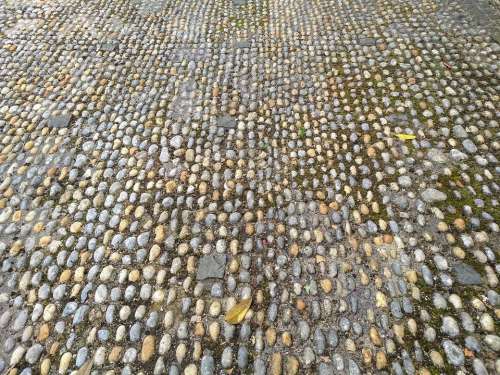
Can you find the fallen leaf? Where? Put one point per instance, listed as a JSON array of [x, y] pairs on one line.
[[87, 366], [85, 369], [236, 314], [404, 136]]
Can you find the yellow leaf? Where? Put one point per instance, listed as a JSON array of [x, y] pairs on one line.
[[85, 369], [404, 136], [236, 314]]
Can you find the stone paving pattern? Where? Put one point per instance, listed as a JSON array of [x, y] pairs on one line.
[[162, 160]]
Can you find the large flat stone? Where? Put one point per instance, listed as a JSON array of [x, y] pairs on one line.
[[368, 42], [109, 45], [211, 267], [466, 275], [397, 118], [243, 44], [226, 121], [59, 121]]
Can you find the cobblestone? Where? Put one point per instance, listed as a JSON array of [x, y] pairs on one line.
[[334, 161]]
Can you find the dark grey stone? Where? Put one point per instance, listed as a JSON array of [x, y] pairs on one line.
[[59, 121], [211, 266], [109, 45], [243, 44], [397, 118], [466, 275], [368, 42], [226, 121], [398, 28]]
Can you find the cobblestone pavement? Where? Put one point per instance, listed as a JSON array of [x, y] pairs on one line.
[[335, 161]]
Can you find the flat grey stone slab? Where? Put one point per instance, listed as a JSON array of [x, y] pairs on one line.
[[398, 28], [190, 52], [398, 118], [211, 267], [150, 6], [59, 121], [109, 45], [243, 44], [368, 42], [466, 275], [226, 121]]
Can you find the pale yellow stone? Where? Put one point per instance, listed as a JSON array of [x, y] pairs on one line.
[[65, 276], [214, 330], [411, 276], [134, 276], [275, 365], [180, 352], [44, 241], [375, 337], [79, 274], [115, 354], [191, 369], [76, 227], [381, 300], [286, 338], [291, 365], [326, 285], [148, 348], [271, 336], [399, 331], [170, 186], [45, 366], [381, 360], [64, 363], [159, 233], [437, 358], [43, 332]]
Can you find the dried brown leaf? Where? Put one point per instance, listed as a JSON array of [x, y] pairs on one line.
[[85, 369]]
